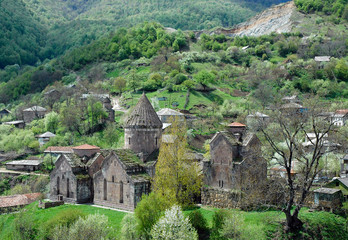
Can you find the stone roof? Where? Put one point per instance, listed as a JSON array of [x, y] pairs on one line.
[[247, 138], [128, 158], [76, 161], [169, 112], [322, 58], [56, 149], [86, 147], [25, 162], [46, 135], [35, 109], [143, 115], [18, 200], [327, 190]]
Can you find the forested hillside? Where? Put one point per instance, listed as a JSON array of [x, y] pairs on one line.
[[22, 37], [45, 29]]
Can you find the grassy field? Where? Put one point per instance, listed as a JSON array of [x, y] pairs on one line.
[[253, 224]]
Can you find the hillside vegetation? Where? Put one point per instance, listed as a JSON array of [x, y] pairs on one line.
[[37, 30]]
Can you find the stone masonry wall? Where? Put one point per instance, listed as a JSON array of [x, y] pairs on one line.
[[220, 198]]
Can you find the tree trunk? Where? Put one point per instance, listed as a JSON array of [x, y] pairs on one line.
[[293, 223]]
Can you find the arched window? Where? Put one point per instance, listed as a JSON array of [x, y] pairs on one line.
[[105, 190], [58, 187], [67, 188], [129, 141], [121, 192], [156, 141]]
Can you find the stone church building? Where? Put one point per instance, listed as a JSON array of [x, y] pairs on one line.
[[114, 178], [236, 167]]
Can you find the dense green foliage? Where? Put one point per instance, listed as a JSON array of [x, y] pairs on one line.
[[22, 37], [339, 8], [36, 30]]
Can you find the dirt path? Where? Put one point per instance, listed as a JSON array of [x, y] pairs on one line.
[[4, 170], [115, 101]]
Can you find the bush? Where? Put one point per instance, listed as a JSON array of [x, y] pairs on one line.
[[24, 227], [66, 218], [173, 225], [232, 227], [94, 226], [218, 222], [129, 230], [148, 211]]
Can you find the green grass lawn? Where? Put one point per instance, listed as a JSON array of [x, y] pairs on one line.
[[254, 224]]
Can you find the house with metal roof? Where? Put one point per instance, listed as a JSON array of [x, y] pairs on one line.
[[24, 165], [45, 138], [17, 124], [167, 115], [328, 199]]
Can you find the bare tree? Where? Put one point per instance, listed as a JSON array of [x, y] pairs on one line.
[[285, 136]]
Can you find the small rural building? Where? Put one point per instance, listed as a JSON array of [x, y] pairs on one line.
[[4, 112], [122, 180], [291, 99], [72, 178], [328, 198], [322, 60], [34, 112], [17, 124], [236, 164], [340, 117], [45, 138], [166, 115], [339, 183], [24, 165], [257, 120], [292, 108], [56, 151], [53, 94], [10, 203]]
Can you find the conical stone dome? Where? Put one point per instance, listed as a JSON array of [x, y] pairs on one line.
[[143, 115]]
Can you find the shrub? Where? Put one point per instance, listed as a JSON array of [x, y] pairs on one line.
[[91, 227], [148, 211], [232, 227], [24, 226], [66, 217], [218, 222], [129, 230], [173, 225]]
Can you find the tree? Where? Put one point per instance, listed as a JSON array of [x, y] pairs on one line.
[[285, 137], [120, 84], [52, 122], [174, 226], [177, 178], [132, 80], [204, 78]]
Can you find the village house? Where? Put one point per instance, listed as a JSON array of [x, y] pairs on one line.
[[17, 124], [32, 113], [328, 199], [166, 115], [341, 184], [105, 100], [72, 178], [236, 164], [24, 165], [45, 138], [340, 117], [4, 113], [13, 202], [321, 61], [56, 151], [257, 120], [53, 94]]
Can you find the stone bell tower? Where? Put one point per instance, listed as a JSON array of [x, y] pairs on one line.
[[143, 129]]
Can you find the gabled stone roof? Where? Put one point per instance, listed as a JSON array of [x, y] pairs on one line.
[[86, 147], [143, 115]]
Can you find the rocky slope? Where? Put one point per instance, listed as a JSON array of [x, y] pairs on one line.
[[278, 19]]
